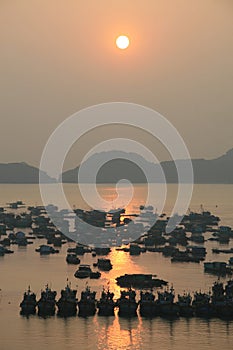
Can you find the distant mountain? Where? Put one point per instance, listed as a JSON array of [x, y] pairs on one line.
[[219, 170], [134, 168], [22, 173], [114, 169]]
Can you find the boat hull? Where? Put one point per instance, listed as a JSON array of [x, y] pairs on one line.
[[106, 308], [46, 308], [169, 310], [66, 308], [149, 309], [27, 309], [185, 310], [86, 308], [127, 309]]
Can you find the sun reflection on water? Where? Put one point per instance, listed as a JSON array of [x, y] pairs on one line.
[[122, 264], [119, 333]]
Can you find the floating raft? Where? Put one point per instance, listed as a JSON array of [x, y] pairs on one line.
[[140, 281]]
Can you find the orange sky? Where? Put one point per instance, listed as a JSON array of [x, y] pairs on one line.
[[59, 56]]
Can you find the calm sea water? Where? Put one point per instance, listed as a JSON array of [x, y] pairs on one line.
[[26, 267]]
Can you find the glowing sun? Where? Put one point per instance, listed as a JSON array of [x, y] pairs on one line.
[[122, 42]]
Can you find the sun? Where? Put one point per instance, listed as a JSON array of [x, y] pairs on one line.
[[122, 42]]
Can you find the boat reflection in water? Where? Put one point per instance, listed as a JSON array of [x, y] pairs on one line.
[[125, 332]]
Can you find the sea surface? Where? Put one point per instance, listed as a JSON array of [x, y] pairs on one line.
[[26, 267]]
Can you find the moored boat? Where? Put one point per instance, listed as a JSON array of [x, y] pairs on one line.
[[47, 303], [201, 304], [167, 307], [46, 250], [104, 264], [87, 303], [28, 304], [67, 304], [84, 271], [218, 267], [142, 281], [95, 275], [72, 259], [222, 300], [148, 307], [106, 303], [127, 303], [184, 303]]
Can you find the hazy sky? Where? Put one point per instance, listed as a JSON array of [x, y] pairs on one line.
[[59, 56]]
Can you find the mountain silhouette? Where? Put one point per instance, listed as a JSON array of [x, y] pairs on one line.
[[214, 171], [120, 165], [22, 173]]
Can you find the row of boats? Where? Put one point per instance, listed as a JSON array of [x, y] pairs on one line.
[[217, 303], [67, 303]]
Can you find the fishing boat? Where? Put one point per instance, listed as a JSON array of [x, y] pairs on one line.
[[46, 250], [47, 303], [167, 307], [222, 300], [83, 271], [201, 304], [184, 303], [28, 304], [148, 307], [106, 303], [127, 303], [103, 264], [72, 259], [67, 304], [95, 275], [87, 303], [218, 267]]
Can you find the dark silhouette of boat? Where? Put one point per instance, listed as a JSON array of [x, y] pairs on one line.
[[184, 257], [201, 304], [225, 251], [148, 307], [46, 250], [134, 249], [83, 271], [222, 299], [95, 275], [127, 303], [217, 268], [16, 205], [4, 250], [78, 250], [47, 303], [167, 307], [106, 304], [72, 259], [102, 250], [67, 304], [203, 218], [87, 303], [142, 281], [103, 264], [28, 304], [184, 304]]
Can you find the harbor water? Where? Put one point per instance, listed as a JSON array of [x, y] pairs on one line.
[[26, 267]]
